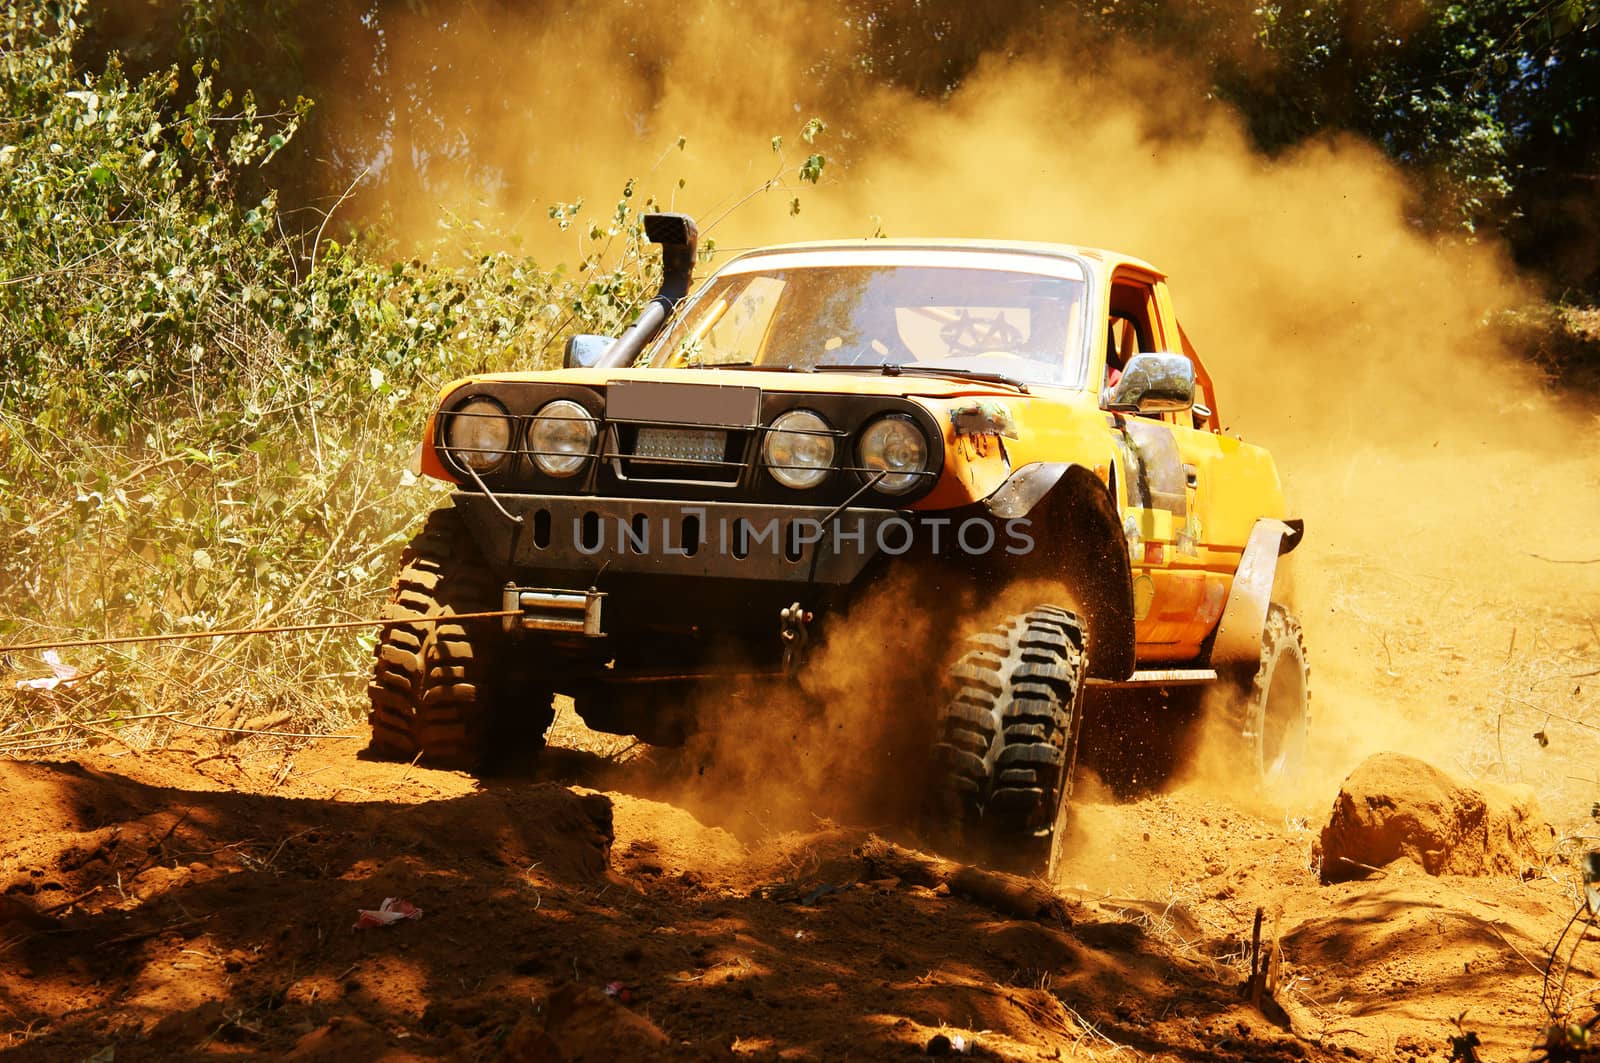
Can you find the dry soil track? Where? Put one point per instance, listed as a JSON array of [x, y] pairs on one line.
[[202, 904]]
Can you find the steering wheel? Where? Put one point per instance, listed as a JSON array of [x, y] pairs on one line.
[[977, 335]]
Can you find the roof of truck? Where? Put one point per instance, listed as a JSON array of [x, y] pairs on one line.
[[1108, 260]]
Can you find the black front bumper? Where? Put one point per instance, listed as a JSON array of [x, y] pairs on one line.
[[578, 537]]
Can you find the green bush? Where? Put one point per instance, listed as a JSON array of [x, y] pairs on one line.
[[204, 423]]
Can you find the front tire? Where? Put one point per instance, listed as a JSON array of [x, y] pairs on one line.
[[441, 690], [1009, 738]]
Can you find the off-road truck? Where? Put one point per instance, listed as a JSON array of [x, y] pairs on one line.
[[702, 495]]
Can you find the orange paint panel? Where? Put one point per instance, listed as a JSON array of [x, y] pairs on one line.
[[1177, 615], [431, 466]]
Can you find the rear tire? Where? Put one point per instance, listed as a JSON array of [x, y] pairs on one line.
[[1272, 716], [1009, 739], [450, 692]]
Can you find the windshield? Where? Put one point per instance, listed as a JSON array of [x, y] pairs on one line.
[[1013, 314]]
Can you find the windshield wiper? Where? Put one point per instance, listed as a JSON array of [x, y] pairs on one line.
[[743, 365], [890, 369]]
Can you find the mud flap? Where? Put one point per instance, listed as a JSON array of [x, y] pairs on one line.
[[1238, 641]]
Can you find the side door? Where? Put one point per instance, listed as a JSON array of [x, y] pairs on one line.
[[1170, 462], [1231, 485]]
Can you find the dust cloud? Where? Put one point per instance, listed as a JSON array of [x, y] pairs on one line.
[[775, 756], [1430, 466], [845, 743], [507, 113]]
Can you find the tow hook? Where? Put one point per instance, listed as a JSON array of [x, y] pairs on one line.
[[792, 624]]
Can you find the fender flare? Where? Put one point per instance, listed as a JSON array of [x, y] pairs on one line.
[[1024, 488], [1237, 643], [1078, 538]]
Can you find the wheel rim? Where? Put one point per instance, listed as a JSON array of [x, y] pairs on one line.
[[1283, 720]]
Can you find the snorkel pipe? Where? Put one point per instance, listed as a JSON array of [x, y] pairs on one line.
[[679, 237]]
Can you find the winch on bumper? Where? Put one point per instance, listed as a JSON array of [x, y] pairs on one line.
[[552, 609]]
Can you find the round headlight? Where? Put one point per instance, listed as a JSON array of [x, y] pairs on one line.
[[896, 447], [561, 437], [798, 449], [478, 434]]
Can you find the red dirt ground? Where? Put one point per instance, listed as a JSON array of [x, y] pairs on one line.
[[200, 902]]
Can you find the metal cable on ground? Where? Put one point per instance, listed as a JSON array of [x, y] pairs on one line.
[[332, 626]]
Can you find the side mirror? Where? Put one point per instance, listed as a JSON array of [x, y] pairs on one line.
[[583, 350], [1153, 383]]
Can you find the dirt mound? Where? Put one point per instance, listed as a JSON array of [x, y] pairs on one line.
[[586, 1023], [1396, 807]]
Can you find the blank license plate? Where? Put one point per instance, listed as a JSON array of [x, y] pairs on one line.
[[681, 444]]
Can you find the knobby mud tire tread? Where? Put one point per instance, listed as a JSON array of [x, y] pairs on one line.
[[1009, 733], [440, 689]]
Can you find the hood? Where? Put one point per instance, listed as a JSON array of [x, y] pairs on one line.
[[856, 383]]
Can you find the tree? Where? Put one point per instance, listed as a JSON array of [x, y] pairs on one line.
[[1490, 105]]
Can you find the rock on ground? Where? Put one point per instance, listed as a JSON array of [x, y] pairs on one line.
[[1395, 807], [585, 1024]]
